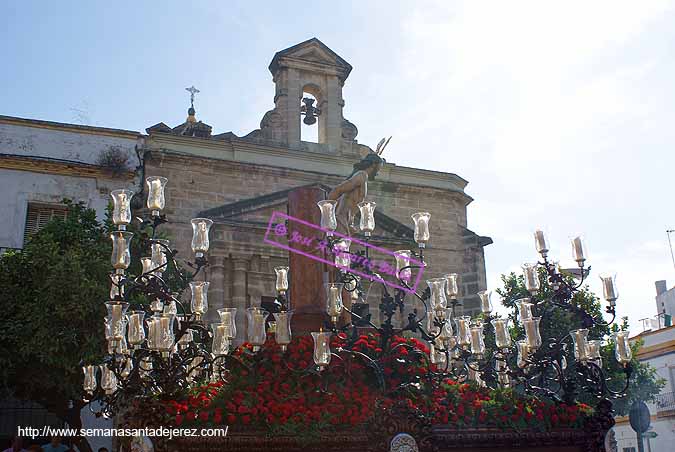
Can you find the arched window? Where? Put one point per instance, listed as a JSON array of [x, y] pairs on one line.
[[310, 112]]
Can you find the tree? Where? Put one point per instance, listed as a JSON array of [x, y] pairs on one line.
[[644, 385], [53, 304], [53, 294]]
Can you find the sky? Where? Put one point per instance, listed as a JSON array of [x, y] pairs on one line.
[[561, 115]]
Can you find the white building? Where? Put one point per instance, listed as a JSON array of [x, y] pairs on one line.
[[42, 162], [658, 349]]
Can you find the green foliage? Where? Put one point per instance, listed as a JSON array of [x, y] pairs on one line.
[[52, 304], [645, 383]]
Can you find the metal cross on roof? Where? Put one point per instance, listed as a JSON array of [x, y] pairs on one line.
[[192, 90]]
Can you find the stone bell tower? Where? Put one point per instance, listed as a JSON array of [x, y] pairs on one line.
[[308, 68]]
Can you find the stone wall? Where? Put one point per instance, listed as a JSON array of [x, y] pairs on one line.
[[242, 265]]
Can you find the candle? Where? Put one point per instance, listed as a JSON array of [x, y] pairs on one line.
[[531, 278], [578, 251], [256, 326], [580, 347], [532, 334], [403, 261], [283, 334], [622, 352], [367, 222], [136, 333], [502, 336], [156, 199], [437, 300], [200, 235], [524, 309], [421, 223], [609, 289], [477, 340], [199, 303], [322, 353], [523, 354], [463, 332], [452, 285], [89, 385], [228, 319], [485, 302], [121, 257], [159, 260], [282, 279], [121, 214], [334, 300], [502, 370], [328, 219], [540, 242]]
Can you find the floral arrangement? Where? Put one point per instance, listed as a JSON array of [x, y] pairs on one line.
[[264, 391]]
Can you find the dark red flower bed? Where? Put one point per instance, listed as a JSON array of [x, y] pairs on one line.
[[274, 391]]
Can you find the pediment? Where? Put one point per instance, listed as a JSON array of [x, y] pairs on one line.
[[313, 51], [258, 210]]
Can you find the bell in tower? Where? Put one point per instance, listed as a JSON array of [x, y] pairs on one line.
[[309, 78]]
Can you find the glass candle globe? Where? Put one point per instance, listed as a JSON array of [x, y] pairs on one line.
[[200, 235], [437, 299], [367, 222], [159, 249], [90, 383], [121, 214], [221, 342], [532, 334], [502, 369], [421, 223], [166, 338], [579, 337], [136, 330], [121, 257], [334, 303], [540, 242], [579, 251], [452, 285], [403, 261], [477, 340], [116, 313], [228, 317], [485, 302], [523, 354], [257, 334], [108, 380], [282, 279], [282, 333], [156, 199], [322, 351], [531, 277], [342, 257], [622, 352], [502, 336], [116, 287], [524, 309], [199, 303], [328, 219], [609, 289], [463, 330]]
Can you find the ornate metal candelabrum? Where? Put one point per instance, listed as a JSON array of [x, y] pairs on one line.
[[162, 347]]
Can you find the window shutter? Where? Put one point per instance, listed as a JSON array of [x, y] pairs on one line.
[[38, 216]]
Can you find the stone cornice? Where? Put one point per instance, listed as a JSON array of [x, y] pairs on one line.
[[59, 167], [65, 127], [313, 162]]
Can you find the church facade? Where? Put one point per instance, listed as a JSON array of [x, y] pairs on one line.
[[239, 181]]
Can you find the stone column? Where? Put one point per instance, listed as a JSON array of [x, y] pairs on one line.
[[240, 267], [216, 288]]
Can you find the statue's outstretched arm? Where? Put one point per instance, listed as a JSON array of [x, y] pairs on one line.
[[345, 187]]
